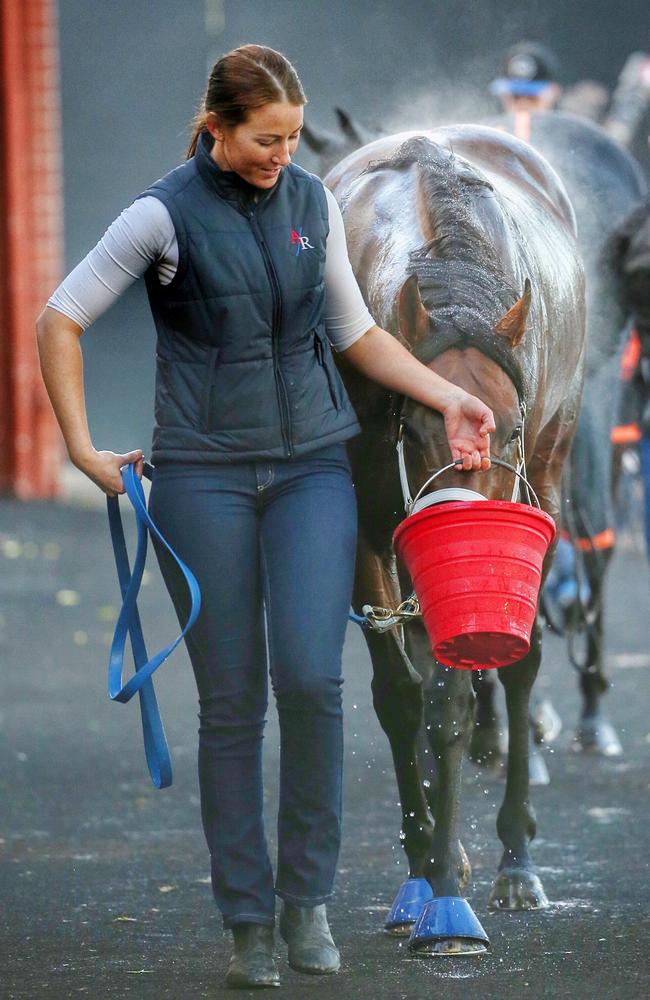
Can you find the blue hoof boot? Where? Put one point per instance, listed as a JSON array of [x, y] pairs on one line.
[[447, 926], [411, 897]]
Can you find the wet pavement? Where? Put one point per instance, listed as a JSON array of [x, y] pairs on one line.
[[104, 881]]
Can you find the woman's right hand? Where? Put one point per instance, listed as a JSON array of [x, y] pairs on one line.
[[59, 350], [103, 467]]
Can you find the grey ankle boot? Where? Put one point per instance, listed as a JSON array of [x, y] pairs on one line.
[[252, 963], [307, 933]]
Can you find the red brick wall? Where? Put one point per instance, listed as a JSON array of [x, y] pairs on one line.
[[31, 240]]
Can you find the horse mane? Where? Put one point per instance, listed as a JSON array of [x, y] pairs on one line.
[[459, 274], [458, 268]]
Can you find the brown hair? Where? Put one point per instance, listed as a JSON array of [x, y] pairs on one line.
[[244, 79]]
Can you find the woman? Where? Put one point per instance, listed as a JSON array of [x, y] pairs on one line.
[[251, 484]]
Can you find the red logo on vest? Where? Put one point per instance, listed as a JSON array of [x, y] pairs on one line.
[[299, 241]]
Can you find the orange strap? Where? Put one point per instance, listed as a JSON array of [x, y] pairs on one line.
[[631, 356], [625, 434], [604, 540]]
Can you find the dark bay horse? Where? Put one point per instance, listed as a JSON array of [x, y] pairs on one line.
[[603, 182], [463, 243]]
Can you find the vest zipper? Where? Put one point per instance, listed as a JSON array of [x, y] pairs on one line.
[[283, 400]]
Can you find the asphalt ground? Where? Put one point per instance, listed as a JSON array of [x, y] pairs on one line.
[[104, 881]]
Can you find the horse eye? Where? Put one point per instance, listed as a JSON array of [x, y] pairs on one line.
[[515, 434]]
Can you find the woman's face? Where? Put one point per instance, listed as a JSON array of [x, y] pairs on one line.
[[261, 146]]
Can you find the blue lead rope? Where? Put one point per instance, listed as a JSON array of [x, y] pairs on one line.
[[360, 620], [128, 623]]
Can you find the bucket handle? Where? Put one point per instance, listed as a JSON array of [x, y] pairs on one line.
[[459, 461]]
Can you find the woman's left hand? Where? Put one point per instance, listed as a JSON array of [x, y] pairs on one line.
[[468, 425], [468, 421]]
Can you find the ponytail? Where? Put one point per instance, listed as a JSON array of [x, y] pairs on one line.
[[198, 126]]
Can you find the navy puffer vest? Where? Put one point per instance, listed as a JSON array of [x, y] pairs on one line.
[[244, 367]]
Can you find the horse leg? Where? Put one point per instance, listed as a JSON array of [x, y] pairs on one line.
[[438, 703], [485, 743], [485, 747], [448, 718], [595, 734], [591, 502], [517, 886], [429, 773], [397, 699]]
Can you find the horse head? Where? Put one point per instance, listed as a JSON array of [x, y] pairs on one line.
[[461, 345]]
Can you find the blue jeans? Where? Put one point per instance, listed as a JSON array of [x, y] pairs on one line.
[[272, 545]]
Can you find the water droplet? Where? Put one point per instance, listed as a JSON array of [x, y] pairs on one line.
[[68, 598], [11, 548]]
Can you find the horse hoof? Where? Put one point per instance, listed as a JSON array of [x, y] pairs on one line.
[[399, 930], [447, 926], [546, 723], [407, 906], [450, 948], [597, 736], [515, 889]]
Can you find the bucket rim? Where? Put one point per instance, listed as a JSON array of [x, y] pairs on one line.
[[447, 494], [486, 506]]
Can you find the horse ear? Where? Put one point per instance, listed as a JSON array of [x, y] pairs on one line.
[[513, 324], [412, 317], [315, 139], [347, 126]]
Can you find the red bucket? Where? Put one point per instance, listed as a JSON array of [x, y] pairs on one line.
[[476, 567]]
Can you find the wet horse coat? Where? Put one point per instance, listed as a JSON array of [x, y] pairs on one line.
[[603, 182], [445, 230]]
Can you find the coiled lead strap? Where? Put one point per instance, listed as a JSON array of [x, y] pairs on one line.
[[128, 622]]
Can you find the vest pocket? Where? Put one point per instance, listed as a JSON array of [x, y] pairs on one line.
[[204, 413], [326, 362], [179, 386]]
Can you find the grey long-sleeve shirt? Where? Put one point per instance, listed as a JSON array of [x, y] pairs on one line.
[[144, 234]]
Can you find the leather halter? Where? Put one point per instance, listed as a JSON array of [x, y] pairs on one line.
[[493, 348]]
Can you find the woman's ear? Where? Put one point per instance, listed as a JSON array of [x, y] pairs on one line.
[[213, 126]]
